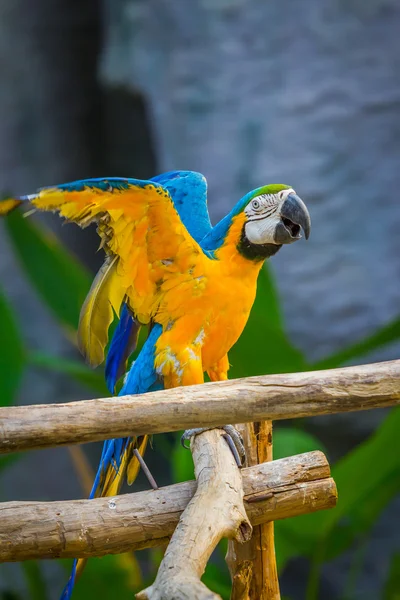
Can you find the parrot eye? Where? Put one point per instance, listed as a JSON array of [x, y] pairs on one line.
[[255, 204]]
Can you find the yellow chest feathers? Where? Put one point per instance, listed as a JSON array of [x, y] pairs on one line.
[[213, 304]]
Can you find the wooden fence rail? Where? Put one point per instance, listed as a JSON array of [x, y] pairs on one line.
[[268, 397], [82, 528]]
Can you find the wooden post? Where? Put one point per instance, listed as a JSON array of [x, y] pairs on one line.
[[253, 565]]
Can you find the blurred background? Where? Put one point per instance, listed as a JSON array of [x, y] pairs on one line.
[[247, 92]]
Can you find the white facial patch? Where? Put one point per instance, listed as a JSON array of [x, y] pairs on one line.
[[262, 231], [263, 216]]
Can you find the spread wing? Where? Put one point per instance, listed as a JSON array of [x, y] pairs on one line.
[[145, 242], [188, 191]]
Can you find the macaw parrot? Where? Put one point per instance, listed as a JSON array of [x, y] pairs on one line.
[[166, 267]]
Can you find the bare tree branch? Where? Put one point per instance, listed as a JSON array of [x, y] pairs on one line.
[[215, 511], [83, 528], [268, 397]]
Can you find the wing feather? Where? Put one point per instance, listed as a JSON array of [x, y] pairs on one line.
[[145, 241], [188, 190], [105, 296]]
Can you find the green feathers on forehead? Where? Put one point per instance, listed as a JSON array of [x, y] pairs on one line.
[[273, 188]]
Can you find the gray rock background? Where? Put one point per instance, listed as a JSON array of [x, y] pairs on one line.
[[247, 92]]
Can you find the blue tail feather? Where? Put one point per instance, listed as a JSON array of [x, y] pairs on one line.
[[123, 343], [141, 378], [67, 591]]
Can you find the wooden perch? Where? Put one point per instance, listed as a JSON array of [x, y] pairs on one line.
[[83, 528], [215, 511], [268, 397], [252, 565]]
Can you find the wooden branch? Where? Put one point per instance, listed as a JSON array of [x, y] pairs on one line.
[[83, 528], [253, 565], [268, 397], [215, 511]]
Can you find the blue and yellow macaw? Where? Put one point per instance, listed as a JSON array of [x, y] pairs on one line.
[[166, 267]]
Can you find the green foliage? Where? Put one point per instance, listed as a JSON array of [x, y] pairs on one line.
[[59, 278], [77, 370], [7, 460], [35, 580], [108, 577], [392, 587], [366, 482], [216, 577], [12, 360], [289, 441], [181, 463], [367, 478]]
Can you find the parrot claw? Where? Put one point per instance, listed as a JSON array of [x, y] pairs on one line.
[[232, 436]]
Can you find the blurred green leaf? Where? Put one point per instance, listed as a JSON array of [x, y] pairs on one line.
[[382, 337], [360, 520], [9, 576], [9, 595], [264, 346], [283, 546], [78, 371], [11, 355], [34, 579], [182, 462], [392, 586], [217, 578], [355, 569], [267, 288], [367, 479], [289, 441], [7, 460], [59, 278], [368, 468], [107, 577]]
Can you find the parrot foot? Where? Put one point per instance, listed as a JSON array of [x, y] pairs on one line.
[[232, 436]]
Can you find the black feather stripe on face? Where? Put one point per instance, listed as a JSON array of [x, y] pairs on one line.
[[256, 252]]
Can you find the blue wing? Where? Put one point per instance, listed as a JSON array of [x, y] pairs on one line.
[[188, 190], [123, 344]]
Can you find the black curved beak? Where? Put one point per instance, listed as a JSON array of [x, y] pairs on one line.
[[294, 217]]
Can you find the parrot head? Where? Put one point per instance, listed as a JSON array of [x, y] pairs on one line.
[[273, 215]]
